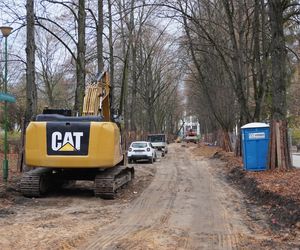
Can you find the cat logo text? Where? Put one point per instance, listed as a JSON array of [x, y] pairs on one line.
[[69, 141], [68, 138]]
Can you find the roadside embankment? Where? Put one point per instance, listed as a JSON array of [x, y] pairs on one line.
[[277, 193]]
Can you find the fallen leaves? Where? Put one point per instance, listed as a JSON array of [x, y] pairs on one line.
[[283, 183]]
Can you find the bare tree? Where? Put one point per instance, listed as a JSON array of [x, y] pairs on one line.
[[100, 27], [67, 37], [111, 52], [52, 72], [80, 66], [279, 152], [238, 45], [31, 91]]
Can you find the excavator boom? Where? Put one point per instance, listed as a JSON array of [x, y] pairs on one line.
[[97, 98]]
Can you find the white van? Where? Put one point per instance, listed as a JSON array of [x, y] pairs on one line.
[[159, 141]]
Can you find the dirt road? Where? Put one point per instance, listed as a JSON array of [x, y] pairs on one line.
[[184, 207]]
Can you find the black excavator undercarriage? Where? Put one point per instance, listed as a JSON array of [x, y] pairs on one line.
[[40, 181]]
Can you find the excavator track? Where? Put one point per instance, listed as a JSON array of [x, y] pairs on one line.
[[34, 183], [108, 182], [37, 182]]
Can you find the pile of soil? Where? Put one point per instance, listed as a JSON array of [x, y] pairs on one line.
[[281, 208], [277, 193]]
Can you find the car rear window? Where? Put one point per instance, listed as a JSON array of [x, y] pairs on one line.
[[139, 145], [156, 138]]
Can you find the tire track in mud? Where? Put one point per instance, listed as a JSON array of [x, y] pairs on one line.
[[151, 208], [197, 181], [230, 235], [137, 228], [160, 224], [183, 208]]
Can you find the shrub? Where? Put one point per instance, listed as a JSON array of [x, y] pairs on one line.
[[13, 139]]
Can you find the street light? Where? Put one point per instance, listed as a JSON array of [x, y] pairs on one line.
[[5, 30]]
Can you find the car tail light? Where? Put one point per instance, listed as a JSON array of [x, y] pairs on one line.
[[148, 149], [130, 149]]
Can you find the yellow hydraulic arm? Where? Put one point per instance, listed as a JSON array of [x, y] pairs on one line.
[[97, 98]]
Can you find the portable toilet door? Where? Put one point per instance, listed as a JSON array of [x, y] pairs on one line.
[[255, 144]]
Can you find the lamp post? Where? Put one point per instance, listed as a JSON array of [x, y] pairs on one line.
[[5, 30]]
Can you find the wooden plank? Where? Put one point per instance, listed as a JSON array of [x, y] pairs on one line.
[[272, 146], [282, 145], [288, 152], [287, 160]]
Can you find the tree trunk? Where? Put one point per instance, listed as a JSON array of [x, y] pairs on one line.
[[279, 149], [111, 54], [100, 37], [80, 65], [133, 109], [49, 89], [238, 145], [259, 80], [124, 87], [237, 59], [31, 90], [225, 141]]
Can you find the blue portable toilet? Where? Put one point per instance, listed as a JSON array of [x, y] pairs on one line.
[[255, 144]]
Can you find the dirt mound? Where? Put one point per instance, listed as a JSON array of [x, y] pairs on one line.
[[206, 151], [283, 211], [286, 184], [276, 192]]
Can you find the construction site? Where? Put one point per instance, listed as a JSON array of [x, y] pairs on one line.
[[194, 198], [149, 125]]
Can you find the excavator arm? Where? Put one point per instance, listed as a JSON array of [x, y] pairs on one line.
[[97, 98]]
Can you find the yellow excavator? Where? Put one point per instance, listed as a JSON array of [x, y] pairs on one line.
[[61, 148]]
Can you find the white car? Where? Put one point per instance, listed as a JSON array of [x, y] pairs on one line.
[[141, 150]]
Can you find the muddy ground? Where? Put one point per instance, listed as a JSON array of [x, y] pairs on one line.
[[183, 201], [64, 219]]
